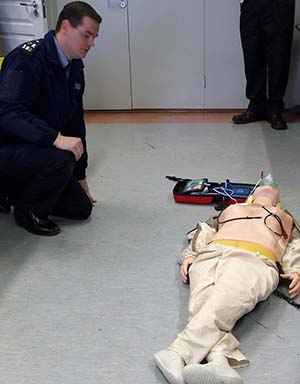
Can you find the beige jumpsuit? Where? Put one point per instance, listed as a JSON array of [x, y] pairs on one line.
[[225, 283]]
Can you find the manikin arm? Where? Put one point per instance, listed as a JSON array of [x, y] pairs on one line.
[[197, 240]]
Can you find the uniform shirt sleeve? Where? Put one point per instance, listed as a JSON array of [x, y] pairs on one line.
[[76, 127], [82, 163], [19, 91], [79, 130]]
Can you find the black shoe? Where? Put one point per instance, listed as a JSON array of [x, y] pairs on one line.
[[35, 225], [277, 122], [247, 117], [4, 204]]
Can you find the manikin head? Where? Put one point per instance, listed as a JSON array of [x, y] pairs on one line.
[[265, 195]]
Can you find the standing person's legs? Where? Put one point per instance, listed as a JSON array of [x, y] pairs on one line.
[[278, 32], [254, 62], [33, 179]]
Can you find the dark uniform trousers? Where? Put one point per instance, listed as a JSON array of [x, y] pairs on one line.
[[41, 179], [266, 28]]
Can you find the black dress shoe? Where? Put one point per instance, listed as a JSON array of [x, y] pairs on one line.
[[35, 225], [4, 204], [247, 117], [277, 122]]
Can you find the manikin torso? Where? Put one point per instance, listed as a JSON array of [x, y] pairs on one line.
[[265, 231]]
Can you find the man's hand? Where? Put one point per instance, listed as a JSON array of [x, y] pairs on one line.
[[85, 187], [294, 287], [72, 144], [185, 268]]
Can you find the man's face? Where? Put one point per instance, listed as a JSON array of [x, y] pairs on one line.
[[80, 39]]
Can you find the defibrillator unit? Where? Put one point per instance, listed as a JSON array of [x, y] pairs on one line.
[[202, 191]]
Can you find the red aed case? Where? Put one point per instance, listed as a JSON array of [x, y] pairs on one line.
[[202, 191]]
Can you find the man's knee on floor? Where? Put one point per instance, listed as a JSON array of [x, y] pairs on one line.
[[60, 160], [84, 211]]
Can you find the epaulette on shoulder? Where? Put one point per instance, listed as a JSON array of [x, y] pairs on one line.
[[31, 46]]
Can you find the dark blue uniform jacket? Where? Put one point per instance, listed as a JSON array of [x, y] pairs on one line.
[[37, 100]]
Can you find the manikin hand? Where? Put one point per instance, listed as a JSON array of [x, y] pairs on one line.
[[85, 187], [185, 268], [72, 144], [294, 287]]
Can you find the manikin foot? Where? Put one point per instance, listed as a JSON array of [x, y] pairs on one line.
[[218, 371], [171, 365]]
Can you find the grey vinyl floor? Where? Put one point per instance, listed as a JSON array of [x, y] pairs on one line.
[[91, 305]]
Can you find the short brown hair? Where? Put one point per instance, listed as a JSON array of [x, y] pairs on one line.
[[74, 12]]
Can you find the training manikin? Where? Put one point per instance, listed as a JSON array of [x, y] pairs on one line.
[[230, 270]]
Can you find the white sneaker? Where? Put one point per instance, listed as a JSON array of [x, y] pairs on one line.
[[171, 365], [217, 371], [199, 374]]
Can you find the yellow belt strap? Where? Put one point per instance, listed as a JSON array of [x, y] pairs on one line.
[[248, 246]]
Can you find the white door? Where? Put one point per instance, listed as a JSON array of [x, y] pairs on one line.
[[224, 65], [167, 53], [21, 21]]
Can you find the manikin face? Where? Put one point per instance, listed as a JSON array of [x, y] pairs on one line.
[[77, 41], [266, 193]]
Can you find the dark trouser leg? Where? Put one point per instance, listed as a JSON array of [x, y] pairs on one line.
[[73, 203], [254, 58], [34, 177], [278, 32], [4, 203]]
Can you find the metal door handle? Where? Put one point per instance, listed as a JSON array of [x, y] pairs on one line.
[[297, 27], [117, 3], [33, 4]]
